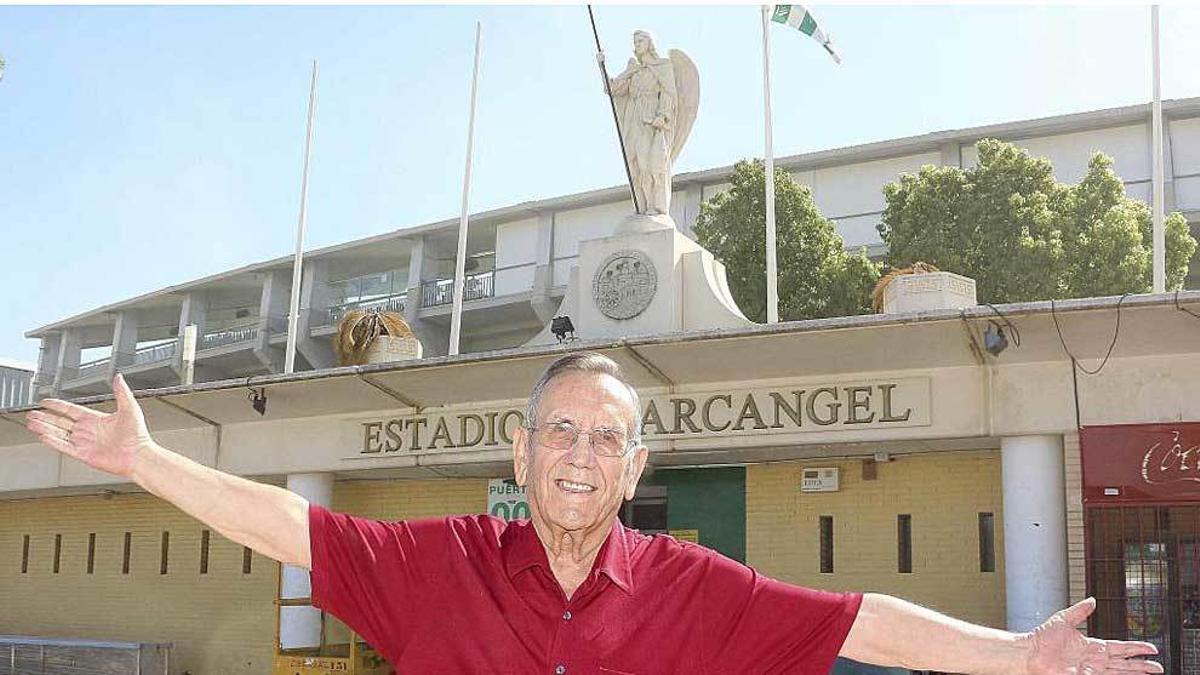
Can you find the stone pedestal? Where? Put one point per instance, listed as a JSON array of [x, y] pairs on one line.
[[647, 278], [928, 292]]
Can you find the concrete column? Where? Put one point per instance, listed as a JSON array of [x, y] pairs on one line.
[[124, 342], [301, 626], [314, 304], [1169, 197], [47, 367], [1035, 529], [543, 274], [950, 154], [68, 356], [434, 339], [692, 198], [416, 265], [193, 311], [272, 317]]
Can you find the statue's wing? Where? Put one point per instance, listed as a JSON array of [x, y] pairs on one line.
[[687, 89]]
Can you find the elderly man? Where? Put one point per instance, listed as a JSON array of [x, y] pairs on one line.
[[571, 590]]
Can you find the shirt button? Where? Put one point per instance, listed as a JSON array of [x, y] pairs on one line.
[[567, 615], [560, 669]]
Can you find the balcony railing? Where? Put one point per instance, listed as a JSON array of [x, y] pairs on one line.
[[228, 336], [92, 368], [155, 353], [332, 315], [475, 287]]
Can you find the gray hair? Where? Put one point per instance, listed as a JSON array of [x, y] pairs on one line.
[[585, 362]]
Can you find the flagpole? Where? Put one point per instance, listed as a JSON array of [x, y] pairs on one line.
[[460, 259], [289, 364], [1160, 249], [769, 169]]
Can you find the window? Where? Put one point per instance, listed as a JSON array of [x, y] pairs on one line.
[[647, 511], [827, 544], [128, 550], [987, 542], [57, 552], [904, 543], [247, 559], [166, 553], [25, 556], [204, 535], [91, 559]]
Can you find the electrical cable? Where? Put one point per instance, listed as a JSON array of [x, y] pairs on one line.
[[1111, 345], [1182, 308]]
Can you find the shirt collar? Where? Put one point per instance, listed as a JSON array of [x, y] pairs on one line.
[[522, 549]]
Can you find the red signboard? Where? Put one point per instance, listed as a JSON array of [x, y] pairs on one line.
[[1132, 463]]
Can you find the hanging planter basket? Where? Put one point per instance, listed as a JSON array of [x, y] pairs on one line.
[[375, 337]]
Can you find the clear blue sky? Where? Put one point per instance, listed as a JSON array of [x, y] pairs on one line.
[[145, 146]]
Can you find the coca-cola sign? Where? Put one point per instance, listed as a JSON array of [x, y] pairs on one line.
[[1141, 463]]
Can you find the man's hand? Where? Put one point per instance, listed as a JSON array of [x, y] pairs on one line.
[[110, 442], [1057, 648]]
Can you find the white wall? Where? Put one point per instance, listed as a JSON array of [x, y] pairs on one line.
[[516, 255], [1185, 153], [576, 225], [1129, 146]]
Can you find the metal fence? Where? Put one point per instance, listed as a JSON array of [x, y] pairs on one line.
[[27, 655], [391, 303], [228, 336], [154, 353], [16, 387], [96, 368], [475, 287]]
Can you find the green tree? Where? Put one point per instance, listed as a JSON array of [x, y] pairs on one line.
[[1024, 236], [817, 277]]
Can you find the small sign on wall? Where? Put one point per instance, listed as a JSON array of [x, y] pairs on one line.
[[819, 480], [686, 535], [506, 499]]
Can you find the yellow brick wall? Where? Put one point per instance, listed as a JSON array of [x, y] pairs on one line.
[[944, 493], [222, 623], [1073, 470]]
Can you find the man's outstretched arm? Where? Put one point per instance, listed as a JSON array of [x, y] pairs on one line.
[[268, 519], [891, 632]]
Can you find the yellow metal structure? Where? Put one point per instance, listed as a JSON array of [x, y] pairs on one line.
[[354, 657]]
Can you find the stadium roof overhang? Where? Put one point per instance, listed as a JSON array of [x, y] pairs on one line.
[[1150, 325]]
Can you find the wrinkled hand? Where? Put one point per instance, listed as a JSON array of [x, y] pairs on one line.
[[1057, 648], [109, 442]]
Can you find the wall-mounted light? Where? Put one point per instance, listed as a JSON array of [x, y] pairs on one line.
[[258, 400], [994, 340], [563, 329]]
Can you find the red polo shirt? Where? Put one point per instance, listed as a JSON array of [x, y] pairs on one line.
[[475, 594]]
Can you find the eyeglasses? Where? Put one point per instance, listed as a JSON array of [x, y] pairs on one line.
[[564, 435]]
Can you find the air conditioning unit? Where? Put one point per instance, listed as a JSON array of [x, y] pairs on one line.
[[819, 480]]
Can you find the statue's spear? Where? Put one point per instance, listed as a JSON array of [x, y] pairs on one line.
[[613, 105]]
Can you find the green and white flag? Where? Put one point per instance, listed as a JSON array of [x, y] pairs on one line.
[[802, 20]]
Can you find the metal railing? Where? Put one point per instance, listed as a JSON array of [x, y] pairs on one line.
[[475, 287], [391, 303], [92, 369], [228, 336], [154, 353]]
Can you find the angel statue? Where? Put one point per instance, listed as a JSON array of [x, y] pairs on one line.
[[656, 101]]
